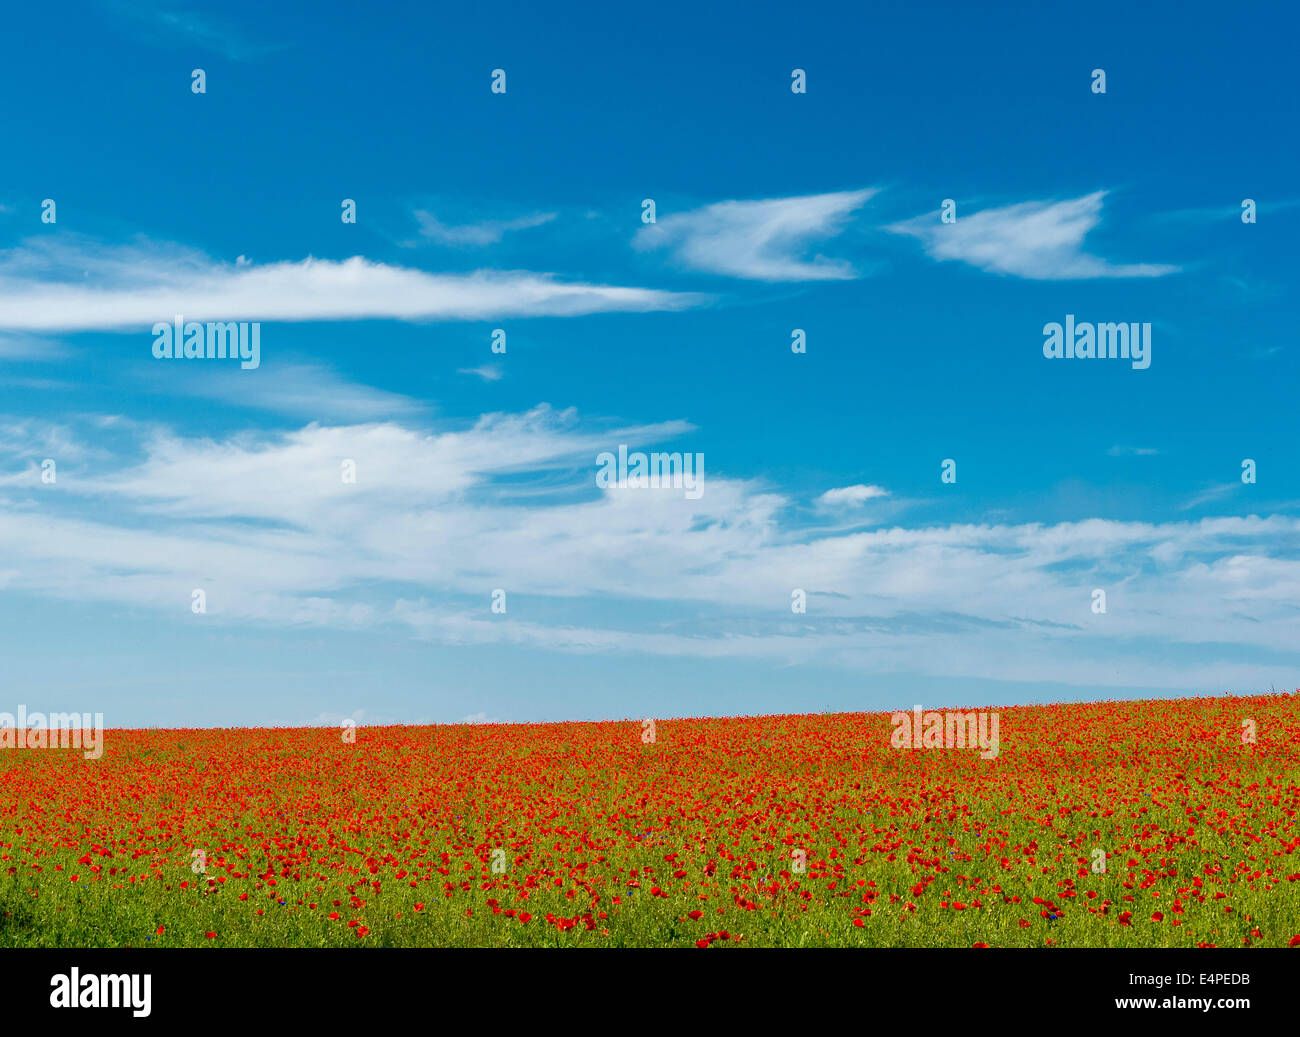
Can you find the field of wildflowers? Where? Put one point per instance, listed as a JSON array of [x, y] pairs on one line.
[[1146, 824]]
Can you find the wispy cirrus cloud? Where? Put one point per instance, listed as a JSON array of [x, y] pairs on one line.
[[74, 285], [484, 232], [487, 372], [1210, 493], [479, 718], [303, 390], [1035, 240], [23, 347], [164, 26], [1132, 451], [850, 496], [28, 438], [1227, 212], [435, 520], [758, 240]]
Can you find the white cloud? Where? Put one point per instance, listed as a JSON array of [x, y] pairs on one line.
[[1232, 212], [479, 718], [486, 372], [1132, 451], [851, 495], [172, 27], [1036, 240], [485, 232], [336, 719], [758, 240], [303, 390], [33, 438], [1211, 493], [358, 718], [439, 517], [23, 347], [74, 286]]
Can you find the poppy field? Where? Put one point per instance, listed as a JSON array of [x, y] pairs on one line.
[[1150, 824]]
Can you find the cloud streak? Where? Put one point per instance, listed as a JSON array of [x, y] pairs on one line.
[[850, 496], [758, 240], [486, 232], [77, 287], [1040, 241], [165, 27], [438, 517], [301, 390]]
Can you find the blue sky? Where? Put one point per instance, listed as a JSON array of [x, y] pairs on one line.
[[523, 211]]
